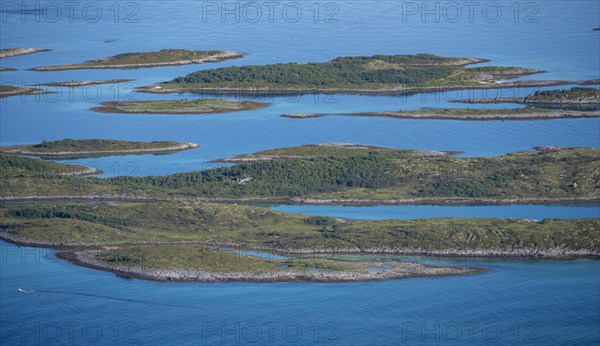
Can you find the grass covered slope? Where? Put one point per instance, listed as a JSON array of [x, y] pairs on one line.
[[382, 174], [158, 223], [96, 147], [354, 174], [197, 106], [165, 57], [379, 73], [22, 169]]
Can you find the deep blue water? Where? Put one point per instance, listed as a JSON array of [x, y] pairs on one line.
[[516, 302], [536, 302], [512, 40]]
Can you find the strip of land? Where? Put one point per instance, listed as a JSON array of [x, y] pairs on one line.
[[467, 114], [572, 98], [74, 84], [229, 267], [69, 148], [166, 57], [9, 90], [379, 74], [189, 241], [10, 52], [336, 174], [590, 82], [7, 69], [107, 224], [197, 106]]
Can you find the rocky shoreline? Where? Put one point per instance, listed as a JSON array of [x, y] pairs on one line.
[[302, 115], [16, 91], [589, 82], [440, 201], [10, 52], [312, 201], [236, 106], [398, 270], [83, 66], [74, 84], [537, 115], [527, 253], [158, 89], [179, 147], [78, 253]]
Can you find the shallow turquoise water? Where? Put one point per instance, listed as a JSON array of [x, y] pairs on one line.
[[517, 302], [379, 212]]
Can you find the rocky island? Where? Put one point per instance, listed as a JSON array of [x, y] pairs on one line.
[[573, 98], [9, 90], [195, 106], [75, 84], [379, 74], [166, 57], [467, 114], [70, 148], [7, 69], [10, 52]]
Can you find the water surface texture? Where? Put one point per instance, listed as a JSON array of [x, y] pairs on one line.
[[516, 302], [48, 301]]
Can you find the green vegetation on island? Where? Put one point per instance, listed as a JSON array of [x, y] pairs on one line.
[[165, 57], [196, 106], [575, 98], [96, 147], [178, 222], [190, 241], [349, 174], [162, 228], [25, 168], [376, 74]]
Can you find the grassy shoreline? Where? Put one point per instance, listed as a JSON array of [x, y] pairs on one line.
[[195, 106], [575, 97], [465, 114], [165, 57], [106, 225], [11, 52], [75, 84], [72, 148], [190, 241]]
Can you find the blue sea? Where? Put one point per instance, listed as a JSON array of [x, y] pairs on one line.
[[47, 301]]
